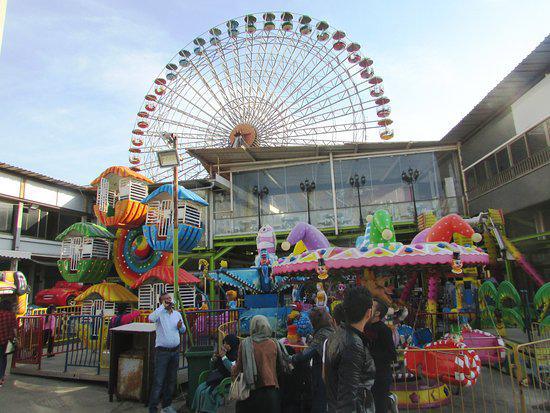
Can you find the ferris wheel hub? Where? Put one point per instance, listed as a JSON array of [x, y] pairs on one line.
[[243, 135]]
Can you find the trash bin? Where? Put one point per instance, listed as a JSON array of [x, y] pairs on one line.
[[198, 360]]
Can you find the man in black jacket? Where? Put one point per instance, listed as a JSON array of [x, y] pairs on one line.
[[349, 368]]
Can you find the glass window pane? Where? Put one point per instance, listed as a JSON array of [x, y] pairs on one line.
[[536, 139], [29, 226], [519, 150], [481, 174], [6, 216], [471, 178], [53, 224], [503, 160], [65, 221], [491, 164], [42, 224]]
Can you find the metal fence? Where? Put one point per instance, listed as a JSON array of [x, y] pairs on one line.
[[29, 340], [85, 350], [203, 324], [532, 373]]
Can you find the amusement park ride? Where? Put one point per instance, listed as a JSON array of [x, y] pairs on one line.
[[278, 80]]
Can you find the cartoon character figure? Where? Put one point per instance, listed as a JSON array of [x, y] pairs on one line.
[[231, 297], [266, 240], [322, 271], [321, 296], [266, 275], [456, 265]]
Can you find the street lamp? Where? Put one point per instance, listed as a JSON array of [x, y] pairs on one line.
[[357, 182], [410, 177], [307, 187], [260, 194]]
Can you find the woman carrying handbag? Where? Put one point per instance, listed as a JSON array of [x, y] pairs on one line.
[[255, 374], [8, 330]]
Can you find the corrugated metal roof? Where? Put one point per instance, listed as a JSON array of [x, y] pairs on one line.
[[526, 75], [226, 156], [183, 193], [40, 177]]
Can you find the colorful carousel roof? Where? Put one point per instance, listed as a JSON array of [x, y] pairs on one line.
[[183, 194], [390, 255], [165, 274], [109, 292], [85, 229], [245, 279], [123, 172]]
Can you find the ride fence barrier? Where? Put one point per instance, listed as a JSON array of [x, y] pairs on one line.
[[64, 309], [203, 324], [29, 341], [455, 380], [85, 349], [532, 373]]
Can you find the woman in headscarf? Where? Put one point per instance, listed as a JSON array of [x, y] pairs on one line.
[[259, 357], [221, 364]]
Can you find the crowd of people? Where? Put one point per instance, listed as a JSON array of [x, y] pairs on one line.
[[346, 366]]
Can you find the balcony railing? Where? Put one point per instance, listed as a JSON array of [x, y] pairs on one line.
[[520, 169]]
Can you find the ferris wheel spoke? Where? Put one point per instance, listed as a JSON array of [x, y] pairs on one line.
[[228, 78], [323, 130], [307, 93], [329, 102], [197, 95]]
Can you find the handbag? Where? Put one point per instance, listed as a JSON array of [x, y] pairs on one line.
[[239, 389], [10, 348]]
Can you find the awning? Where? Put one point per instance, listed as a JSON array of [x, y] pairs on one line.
[[22, 255], [165, 274]]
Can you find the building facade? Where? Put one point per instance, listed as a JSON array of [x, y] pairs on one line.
[[34, 209], [504, 145]]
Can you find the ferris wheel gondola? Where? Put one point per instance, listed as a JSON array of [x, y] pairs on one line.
[[271, 79]]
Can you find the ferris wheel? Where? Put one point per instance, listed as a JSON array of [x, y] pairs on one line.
[[260, 80]]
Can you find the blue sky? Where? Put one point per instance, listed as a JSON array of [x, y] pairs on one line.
[[74, 73]]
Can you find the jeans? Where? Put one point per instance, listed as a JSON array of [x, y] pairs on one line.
[[165, 377]]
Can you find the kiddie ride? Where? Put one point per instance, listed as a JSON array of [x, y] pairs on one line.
[[377, 259]]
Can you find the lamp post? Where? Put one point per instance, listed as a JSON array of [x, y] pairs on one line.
[[170, 159], [410, 177], [260, 194], [357, 182], [307, 187]]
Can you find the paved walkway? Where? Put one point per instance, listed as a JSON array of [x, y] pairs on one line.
[[27, 394]]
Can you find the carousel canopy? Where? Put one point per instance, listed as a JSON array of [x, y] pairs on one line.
[[165, 274], [123, 172], [112, 292], [85, 229], [183, 194]]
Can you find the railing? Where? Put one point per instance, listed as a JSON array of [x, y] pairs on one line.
[[532, 372], [203, 324], [85, 351], [65, 309], [30, 330], [518, 170]]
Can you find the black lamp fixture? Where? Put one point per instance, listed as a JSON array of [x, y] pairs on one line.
[[357, 182], [410, 177], [260, 194], [307, 187]]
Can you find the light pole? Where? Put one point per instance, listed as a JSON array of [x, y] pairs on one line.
[[170, 158], [260, 194], [410, 177], [307, 187], [357, 182]]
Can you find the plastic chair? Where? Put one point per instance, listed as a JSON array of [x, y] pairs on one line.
[[221, 389]]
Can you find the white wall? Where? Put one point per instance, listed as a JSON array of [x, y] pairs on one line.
[[533, 106], [42, 193], [9, 184]]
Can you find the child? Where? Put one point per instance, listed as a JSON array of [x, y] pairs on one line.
[[382, 349]]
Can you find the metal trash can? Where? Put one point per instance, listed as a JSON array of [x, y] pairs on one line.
[[130, 376], [198, 360]]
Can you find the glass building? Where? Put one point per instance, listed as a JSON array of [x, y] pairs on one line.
[[334, 203]]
